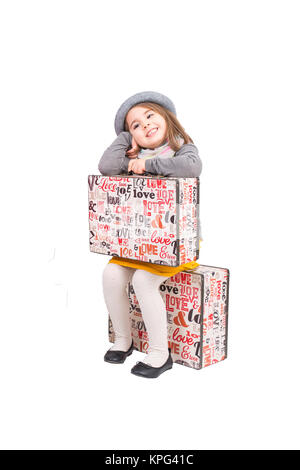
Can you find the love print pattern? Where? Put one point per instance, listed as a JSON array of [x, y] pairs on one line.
[[150, 219], [197, 314]]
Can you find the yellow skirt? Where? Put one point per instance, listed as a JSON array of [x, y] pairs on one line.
[[159, 269]]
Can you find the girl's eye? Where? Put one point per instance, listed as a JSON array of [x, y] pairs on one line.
[[135, 126]]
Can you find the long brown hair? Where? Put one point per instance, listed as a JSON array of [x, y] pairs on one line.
[[174, 128]]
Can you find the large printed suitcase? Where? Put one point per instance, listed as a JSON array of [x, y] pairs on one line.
[[150, 219], [197, 314]]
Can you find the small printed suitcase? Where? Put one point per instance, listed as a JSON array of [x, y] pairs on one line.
[[150, 219], [197, 314]]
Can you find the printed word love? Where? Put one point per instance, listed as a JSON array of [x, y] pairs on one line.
[[182, 339], [105, 185], [177, 302], [144, 194]]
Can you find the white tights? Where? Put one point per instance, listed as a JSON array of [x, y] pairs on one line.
[[146, 287]]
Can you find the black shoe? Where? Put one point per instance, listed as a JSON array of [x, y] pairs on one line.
[[117, 357], [144, 370]]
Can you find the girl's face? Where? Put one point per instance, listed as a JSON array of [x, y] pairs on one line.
[[147, 127]]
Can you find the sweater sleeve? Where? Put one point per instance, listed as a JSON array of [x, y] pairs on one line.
[[186, 163], [114, 160]]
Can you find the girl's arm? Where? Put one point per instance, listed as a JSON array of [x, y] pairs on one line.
[[114, 160], [185, 163]]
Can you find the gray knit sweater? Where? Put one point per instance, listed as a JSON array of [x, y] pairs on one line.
[[185, 163]]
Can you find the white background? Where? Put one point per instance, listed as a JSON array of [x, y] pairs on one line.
[[232, 69]]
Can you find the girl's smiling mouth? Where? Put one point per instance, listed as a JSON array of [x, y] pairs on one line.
[[152, 132]]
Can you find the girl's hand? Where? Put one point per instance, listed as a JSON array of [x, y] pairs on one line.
[[133, 152], [137, 166]]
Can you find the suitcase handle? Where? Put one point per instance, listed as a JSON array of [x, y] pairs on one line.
[[131, 173]]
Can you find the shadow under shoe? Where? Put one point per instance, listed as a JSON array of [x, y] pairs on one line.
[[144, 370], [118, 357]]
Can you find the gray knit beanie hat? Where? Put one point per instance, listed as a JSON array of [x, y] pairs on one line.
[[144, 96]]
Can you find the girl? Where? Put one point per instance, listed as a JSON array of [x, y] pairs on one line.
[[150, 140]]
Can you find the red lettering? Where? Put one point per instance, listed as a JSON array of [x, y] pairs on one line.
[[146, 248], [106, 186], [157, 239], [182, 339]]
